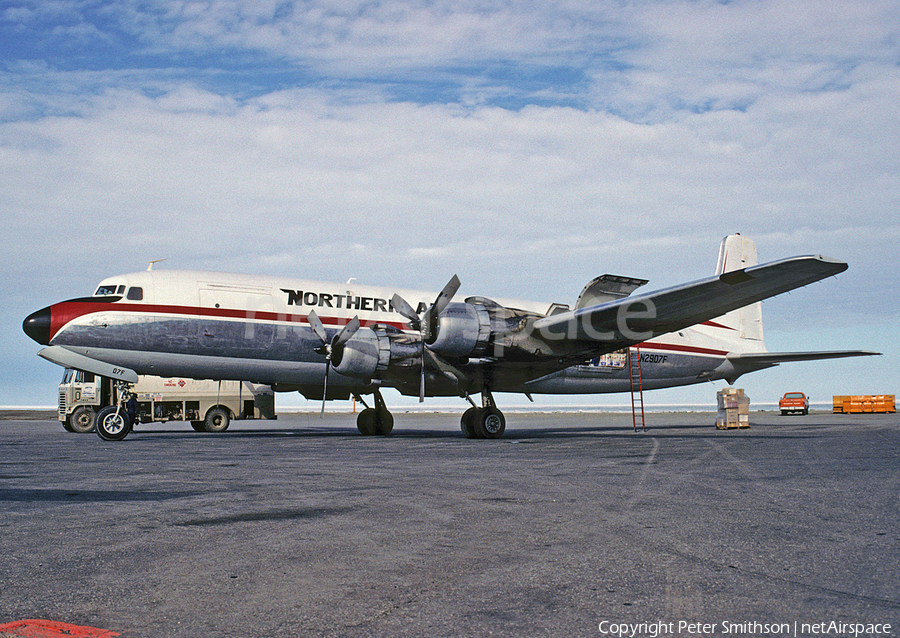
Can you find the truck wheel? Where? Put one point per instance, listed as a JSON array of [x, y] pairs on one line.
[[113, 424], [217, 420], [82, 420]]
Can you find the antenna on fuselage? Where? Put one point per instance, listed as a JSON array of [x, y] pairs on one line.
[[154, 261]]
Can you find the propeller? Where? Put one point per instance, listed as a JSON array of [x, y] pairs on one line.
[[333, 347], [428, 321]]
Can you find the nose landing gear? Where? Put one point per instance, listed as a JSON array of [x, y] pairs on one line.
[[114, 422]]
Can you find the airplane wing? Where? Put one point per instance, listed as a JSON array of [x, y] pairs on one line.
[[632, 320]]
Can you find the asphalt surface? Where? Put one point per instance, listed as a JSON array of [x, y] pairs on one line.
[[301, 527]]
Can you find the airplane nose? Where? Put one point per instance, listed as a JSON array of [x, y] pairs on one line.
[[37, 326]]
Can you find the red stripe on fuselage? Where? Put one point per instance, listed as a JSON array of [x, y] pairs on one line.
[[66, 311], [681, 348]]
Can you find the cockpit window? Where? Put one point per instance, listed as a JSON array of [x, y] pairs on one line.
[[135, 293], [105, 291]]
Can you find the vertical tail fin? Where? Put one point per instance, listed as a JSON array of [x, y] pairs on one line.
[[735, 253]]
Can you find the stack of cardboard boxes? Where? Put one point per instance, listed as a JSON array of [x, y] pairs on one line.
[[734, 409]]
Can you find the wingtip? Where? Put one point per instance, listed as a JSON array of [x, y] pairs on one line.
[[837, 264]]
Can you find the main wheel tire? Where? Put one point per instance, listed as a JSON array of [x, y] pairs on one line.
[[113, 423], [198, 426], [490, 424], [366, 422], [82, 420], [467, 422], [384, 422], [217, 420]]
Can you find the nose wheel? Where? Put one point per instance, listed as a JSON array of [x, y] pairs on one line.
[[113, 423]]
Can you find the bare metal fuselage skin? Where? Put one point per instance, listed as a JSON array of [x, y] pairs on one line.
[[255, 328]]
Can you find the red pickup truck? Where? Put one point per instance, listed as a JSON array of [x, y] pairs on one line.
[[794, 402]]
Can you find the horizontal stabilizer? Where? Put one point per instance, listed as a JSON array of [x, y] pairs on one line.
[[774, 358], [68, 359], [740, 364]]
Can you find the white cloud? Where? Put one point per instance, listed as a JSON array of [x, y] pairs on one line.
[[675, 123]]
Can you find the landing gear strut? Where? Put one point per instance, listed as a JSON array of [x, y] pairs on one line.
[[113, 422], [377, 420], [486, 422]]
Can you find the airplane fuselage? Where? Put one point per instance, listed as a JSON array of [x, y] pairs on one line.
[[256, 328]]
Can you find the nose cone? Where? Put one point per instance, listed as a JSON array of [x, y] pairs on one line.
[[37, 326]]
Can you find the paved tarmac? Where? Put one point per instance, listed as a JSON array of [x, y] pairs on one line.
[[570, 524]]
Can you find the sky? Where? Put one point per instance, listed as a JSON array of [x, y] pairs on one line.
[[525, 146]]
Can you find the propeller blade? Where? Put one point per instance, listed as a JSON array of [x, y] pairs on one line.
[[325, 388], [430, 320], [400, 305], [317, 326], [422, 378], [346, 333], [446, 295]]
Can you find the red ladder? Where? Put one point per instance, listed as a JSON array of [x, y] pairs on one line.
[[637, 387]]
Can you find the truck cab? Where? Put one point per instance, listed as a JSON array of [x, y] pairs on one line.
[[81, 394], [795, 402]]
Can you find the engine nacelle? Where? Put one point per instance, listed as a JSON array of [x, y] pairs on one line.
[[462, 330], [370, 351]]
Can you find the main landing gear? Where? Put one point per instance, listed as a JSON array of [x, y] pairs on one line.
[[486, 422], [377, 420]]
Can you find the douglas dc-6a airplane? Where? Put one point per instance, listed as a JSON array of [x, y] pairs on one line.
[[331, 341]]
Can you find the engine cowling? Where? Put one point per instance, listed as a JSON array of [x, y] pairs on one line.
[[462, 330], [372, 350]]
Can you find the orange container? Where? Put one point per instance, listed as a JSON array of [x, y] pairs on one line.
[[863, 403]]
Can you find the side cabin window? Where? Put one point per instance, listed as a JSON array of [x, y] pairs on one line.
[[135, 293]]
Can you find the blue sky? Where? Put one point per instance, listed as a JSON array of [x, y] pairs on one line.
[[526, 146]]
